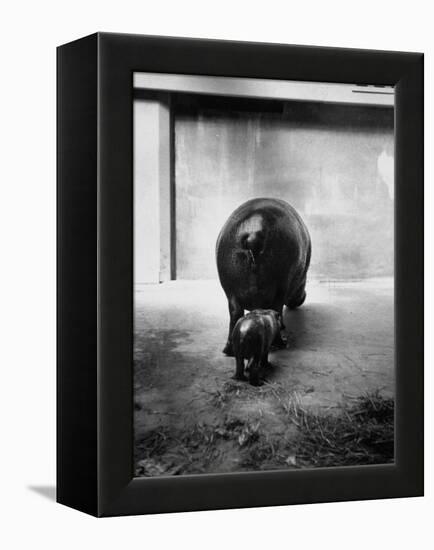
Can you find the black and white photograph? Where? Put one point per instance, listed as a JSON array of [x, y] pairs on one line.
[[217, 275], [263, 275]]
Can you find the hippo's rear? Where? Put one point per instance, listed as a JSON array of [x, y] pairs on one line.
[[263, 254]]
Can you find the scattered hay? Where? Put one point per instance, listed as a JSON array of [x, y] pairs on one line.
[[360, 434], [221, 397]]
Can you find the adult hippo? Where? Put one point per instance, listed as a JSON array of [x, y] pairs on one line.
[[263, 254]]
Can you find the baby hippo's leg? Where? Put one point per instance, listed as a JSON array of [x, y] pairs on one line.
[[239, 370], [254, 372]]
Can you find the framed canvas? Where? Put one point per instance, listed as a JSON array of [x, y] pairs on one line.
[[240, 274]]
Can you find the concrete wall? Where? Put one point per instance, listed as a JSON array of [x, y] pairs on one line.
[[333, 163]]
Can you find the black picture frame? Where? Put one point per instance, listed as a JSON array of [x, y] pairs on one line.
[[95, 275]]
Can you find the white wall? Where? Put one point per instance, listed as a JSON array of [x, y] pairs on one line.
[[30, 32], [152, 246], [146, 192]]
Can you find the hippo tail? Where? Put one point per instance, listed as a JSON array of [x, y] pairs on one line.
[[253, 244]]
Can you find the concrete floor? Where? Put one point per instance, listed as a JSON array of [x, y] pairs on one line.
[[340, 345]]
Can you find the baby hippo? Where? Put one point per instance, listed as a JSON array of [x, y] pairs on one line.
[[252, 338]]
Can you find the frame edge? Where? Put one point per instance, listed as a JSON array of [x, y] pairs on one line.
[[76, 274]]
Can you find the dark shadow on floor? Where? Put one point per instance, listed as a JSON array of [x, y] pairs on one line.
[[47, 491]]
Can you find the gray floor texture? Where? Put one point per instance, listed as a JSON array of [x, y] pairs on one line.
[[340, 345]]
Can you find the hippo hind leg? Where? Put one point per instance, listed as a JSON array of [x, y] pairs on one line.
[[298, 297], [297, 300], [265, 363], [278, 341], [235, 312]]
